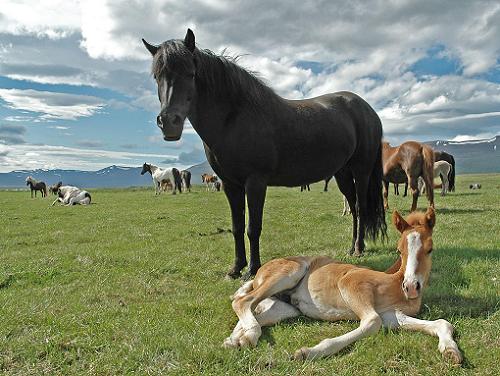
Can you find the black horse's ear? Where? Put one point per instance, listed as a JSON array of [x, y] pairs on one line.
[[152, 49], [189, 41]]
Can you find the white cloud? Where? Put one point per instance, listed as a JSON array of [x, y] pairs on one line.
[[52, 105], [27, 156], [43, 18]]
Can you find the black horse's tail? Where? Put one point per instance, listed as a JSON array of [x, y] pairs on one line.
[[375, 213], [451, 175]]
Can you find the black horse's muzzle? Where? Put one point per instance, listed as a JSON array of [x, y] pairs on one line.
[[171, 126]]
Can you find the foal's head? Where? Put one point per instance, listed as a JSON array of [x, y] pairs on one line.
[[415, 246], [145, 168], [174, 69]]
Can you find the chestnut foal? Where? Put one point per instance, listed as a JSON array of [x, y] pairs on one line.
[[322, 288]]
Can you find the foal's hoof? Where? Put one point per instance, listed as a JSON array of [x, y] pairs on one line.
[[301, 354], [452, 356]]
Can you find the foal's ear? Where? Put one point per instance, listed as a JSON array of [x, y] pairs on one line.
[[430, 217], [189, 41], [399, 222], [152, 49]]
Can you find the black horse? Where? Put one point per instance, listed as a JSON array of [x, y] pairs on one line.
[[253, 138], [444, 156]]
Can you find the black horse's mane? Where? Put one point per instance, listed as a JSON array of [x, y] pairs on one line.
[[218, 75]]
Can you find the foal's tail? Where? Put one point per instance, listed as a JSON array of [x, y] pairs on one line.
[[375, 218], [428, 172]]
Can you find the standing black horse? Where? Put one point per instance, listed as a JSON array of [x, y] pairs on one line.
[[444, 156], [253, 138]]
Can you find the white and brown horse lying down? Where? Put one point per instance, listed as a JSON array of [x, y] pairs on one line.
[[322, 288], [69, 195]]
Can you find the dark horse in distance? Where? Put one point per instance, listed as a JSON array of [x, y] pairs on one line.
[[253, 138]]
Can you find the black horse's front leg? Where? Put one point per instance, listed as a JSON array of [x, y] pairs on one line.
[[236, 197], [255, 187]]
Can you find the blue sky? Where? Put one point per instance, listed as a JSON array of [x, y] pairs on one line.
[[75, 88]]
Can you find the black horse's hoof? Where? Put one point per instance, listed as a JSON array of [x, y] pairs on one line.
[[350, 251], [233, 274]]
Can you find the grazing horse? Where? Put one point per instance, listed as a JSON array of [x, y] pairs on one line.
[[186, 180], [444, 156], [36, 186], [54, 187], [209, 181], [166, 185], [254, 138], [442, 170], [405, 163], [324, 289], [396, 189], [159, 175]]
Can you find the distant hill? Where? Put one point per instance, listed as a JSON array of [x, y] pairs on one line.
[[197, 170], [481, 156], [112, 176]]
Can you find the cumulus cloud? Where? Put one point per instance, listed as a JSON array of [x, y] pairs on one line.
[[368, 47], [52, 105], [28, 156]]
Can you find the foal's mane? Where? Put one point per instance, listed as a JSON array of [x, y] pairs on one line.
[[218, 75]]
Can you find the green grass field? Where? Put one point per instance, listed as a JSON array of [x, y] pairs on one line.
[[135, 284]]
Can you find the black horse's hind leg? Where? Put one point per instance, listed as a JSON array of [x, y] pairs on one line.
[[256, 194], [346, 185], [361, 182], [236, 197]]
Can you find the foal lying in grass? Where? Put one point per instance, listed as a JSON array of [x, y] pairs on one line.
[[322, 288]]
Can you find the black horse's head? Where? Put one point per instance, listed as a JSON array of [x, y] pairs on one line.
[[145, 168], [174, 69]]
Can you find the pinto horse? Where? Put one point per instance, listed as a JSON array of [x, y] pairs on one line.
[[158, 175], [36, 186], [405, 164], [254, 138], [324, 289], [447, 157]]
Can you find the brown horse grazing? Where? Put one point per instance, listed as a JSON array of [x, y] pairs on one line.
[[36, 186], [254, 138], [324, 289], [405, 163], [396, 189], [54, 188]]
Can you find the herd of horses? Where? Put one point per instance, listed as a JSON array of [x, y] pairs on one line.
[[253, 139]]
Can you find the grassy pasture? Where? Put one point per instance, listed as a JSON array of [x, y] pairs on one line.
[[134, 284]]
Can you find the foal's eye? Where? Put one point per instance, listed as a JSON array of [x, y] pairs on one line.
[[430, 250]]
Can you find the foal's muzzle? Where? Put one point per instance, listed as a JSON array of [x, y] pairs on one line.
[[171, 125], [411, 289]]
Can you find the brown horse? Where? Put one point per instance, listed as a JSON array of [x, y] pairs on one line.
[[321, 288], [406, 163], [55, 187]]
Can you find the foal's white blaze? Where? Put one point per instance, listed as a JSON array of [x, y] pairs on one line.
[[414, 245]]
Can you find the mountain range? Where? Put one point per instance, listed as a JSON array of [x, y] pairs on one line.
[[481, 156]]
